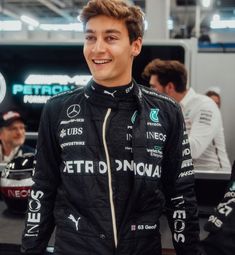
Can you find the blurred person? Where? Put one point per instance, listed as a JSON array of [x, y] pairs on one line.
[[202, 116], [214, 95], [221, 224], [12, 136], [114, 156]]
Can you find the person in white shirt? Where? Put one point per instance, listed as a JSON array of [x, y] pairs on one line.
[[202, 115]]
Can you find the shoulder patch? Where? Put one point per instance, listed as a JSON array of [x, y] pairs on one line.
[[155, 94], [68, 92]]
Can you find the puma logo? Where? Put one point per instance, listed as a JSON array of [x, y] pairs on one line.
[[72, 218], [110, 93]]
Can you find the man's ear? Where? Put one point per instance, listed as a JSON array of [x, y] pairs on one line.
[[171, 86], [137, 46]]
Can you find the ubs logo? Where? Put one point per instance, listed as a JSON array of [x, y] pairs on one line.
[[73, 110], [71, 131], [2, 88]]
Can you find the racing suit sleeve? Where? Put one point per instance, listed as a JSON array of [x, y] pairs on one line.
[[178, 182], [205, 124], [221, 224], [39, 222]]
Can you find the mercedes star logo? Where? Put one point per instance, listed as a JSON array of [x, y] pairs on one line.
[[73, 110]]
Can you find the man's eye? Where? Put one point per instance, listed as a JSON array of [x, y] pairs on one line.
[[90, 38], [111, 38]]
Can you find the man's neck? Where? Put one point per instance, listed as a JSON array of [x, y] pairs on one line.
[[179, 96]]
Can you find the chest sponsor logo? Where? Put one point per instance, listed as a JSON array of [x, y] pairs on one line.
[[91, 167], [156, 152], [74, 143], [64, 122], [73, 110], [71, 131], [154, 115], [156, 136]]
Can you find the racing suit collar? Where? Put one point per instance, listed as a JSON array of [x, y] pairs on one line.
[[115, 92], [124, 96]]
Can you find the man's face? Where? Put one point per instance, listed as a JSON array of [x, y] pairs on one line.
[[108, 51], [155, 84], [216, 99], [13, 135]]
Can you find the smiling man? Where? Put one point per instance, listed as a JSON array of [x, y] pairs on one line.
[[113, 156]]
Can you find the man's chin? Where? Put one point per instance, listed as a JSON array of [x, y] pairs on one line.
[[18, 143]]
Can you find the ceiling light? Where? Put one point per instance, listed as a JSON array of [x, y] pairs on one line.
[[29, 20], [10, 25], [64, 27], [206, 3], [170, 24], [222, 24]]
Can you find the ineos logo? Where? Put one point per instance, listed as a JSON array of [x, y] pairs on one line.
[[73, 110], [2, 87]]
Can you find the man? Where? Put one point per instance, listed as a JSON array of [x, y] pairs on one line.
[[201, 114], [221, 225], [214, 94], [111, 158], [12, 136]]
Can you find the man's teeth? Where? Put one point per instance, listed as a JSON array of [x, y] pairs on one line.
[[101, 61]]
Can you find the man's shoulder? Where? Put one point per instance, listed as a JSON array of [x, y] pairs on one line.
[[154, 95], [201, 101], [66, 94]]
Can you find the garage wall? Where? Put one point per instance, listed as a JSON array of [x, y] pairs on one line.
[[218, 69]]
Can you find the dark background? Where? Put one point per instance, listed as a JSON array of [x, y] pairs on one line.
[[18, 61]]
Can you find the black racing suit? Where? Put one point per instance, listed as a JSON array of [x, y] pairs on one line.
[[107, 164]]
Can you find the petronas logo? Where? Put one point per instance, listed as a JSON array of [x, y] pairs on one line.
[[154, 115]]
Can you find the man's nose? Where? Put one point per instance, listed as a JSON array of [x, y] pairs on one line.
[[99, 45]]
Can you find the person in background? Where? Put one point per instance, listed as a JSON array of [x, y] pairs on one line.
[[214, 94], [221, 224], [114, 155], [202, 116], [12, 136]]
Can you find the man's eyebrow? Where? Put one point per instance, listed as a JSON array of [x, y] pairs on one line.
[[108, 31], [89, 31], [111, 31]]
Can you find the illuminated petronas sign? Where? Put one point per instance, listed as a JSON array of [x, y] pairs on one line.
[[39, 88]]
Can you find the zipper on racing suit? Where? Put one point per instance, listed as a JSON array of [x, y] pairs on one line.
[[109, 177]]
